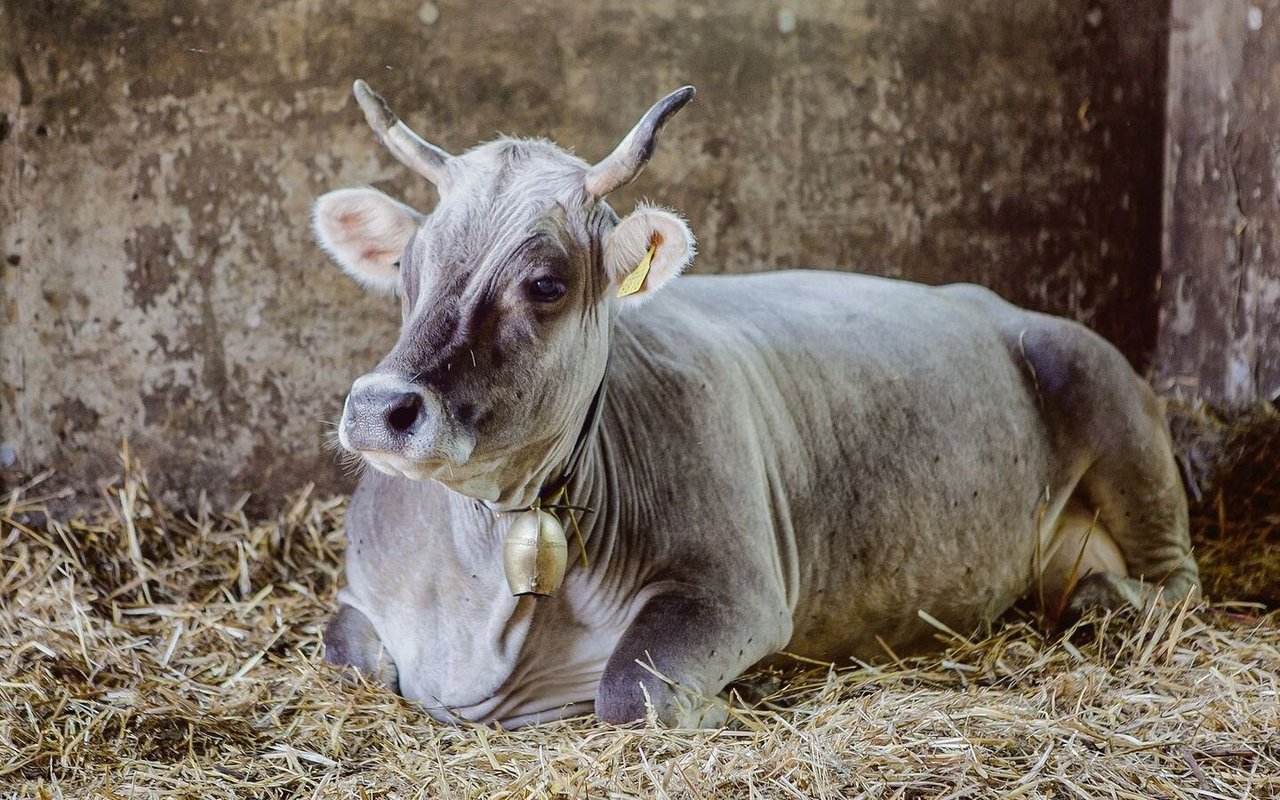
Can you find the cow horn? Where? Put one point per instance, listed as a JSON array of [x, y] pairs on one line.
[[627, 159], [408, 147]]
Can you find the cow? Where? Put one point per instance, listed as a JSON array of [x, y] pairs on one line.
[[816, 463]]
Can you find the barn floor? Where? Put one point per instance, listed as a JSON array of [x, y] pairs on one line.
[[147, 653]]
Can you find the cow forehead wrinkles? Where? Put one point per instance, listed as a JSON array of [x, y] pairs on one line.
[[487, 258], [489, 174], [470, 279], [501, 189], [506, 196]]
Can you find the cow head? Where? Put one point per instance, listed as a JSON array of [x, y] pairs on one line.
[[508, 289]]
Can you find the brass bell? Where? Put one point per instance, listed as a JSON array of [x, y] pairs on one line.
[[535, 554]]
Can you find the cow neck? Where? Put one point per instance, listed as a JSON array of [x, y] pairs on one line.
[[549, 493], [534, 555]]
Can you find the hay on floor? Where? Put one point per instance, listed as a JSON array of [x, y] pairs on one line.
[[1232, 459], [148, 653]]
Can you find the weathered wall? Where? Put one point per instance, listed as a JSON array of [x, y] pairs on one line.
[[157, 276], [1220, 324]]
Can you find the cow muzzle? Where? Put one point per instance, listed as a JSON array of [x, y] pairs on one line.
[[401, 428]]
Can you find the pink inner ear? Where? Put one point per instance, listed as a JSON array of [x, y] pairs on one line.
[[351, 219], [376, 256]]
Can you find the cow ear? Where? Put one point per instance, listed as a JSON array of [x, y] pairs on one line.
[[366, 232], [628, 245]]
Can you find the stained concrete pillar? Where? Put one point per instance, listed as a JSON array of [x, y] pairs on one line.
[[1220, 289]]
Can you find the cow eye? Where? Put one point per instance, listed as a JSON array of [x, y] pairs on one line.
[[546, 290]]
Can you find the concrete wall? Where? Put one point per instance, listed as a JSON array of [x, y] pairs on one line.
[[1220, 326], [158, 281]]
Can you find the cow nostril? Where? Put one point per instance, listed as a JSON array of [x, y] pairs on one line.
[[403, 414]]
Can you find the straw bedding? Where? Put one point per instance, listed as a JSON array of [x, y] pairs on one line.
[[145, 652]]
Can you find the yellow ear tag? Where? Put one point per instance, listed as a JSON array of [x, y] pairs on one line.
[[635, 281]]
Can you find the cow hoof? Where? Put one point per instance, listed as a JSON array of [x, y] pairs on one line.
[[672, 706], [1104, 591], [700, 715], [756, 688]]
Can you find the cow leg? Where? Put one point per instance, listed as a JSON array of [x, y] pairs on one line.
[[351, 642], [1137, 491], [697, 644], [1095, 402]]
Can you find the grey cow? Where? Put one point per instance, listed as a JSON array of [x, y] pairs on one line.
[[789, 461]]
